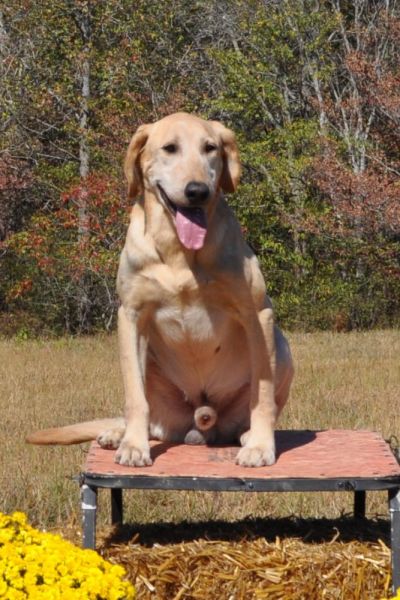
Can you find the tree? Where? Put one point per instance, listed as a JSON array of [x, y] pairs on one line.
[[358, 170], [313, 86], [311, 89], [272, 64], [81, 73]]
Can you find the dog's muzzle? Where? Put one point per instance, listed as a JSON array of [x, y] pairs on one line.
[[197, 193], [190, 221]]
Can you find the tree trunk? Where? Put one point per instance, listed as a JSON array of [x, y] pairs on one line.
[[83, 21], [82, 18]]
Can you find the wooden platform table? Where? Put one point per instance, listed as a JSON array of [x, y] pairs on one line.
[[308, 461]]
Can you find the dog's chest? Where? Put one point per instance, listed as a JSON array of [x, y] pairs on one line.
[[194, 337], [183, 323], [188, 310]]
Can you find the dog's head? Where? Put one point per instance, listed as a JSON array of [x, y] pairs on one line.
[[185, 162]]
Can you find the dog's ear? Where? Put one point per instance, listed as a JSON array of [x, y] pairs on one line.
[[132, 166], [231, 166]]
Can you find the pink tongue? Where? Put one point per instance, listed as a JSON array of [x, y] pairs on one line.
[[191, 226]]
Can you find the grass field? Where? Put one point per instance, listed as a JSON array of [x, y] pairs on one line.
[[347, 380], [342, 380]]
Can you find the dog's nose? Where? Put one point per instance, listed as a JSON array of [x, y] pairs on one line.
[[197, 192]]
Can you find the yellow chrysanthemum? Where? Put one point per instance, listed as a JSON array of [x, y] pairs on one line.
[[397, 597], [43, 566]]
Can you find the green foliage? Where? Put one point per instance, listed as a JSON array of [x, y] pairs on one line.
[[286, 76]]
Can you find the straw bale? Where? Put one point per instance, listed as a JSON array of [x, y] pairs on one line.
[[288, 569]]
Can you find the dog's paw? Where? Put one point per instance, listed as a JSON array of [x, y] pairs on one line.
[[194, 438], [132, 456], [256, 456], [111, 438], [244, 437]]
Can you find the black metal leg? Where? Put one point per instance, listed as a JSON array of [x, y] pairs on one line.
[[117, 510], [359, 504], [89, 510], [394, 507]]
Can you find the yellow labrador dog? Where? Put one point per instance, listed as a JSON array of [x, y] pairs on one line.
[[202, 361]]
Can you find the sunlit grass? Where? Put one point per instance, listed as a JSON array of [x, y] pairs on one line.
[[347, 380]]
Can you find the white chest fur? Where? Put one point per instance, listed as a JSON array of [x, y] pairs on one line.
[[191, 324], [193, 335], [195, 340]]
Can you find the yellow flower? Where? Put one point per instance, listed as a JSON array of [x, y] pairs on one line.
[[42, 566], [397, 597]]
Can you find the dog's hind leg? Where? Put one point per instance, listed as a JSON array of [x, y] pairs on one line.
[[284, 370], [111, 438]]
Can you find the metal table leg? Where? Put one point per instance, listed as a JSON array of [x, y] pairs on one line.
[[359, 504], [394, 507], [89, 510], [117, 510]]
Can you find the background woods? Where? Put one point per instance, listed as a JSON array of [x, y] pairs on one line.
[[312, 90]]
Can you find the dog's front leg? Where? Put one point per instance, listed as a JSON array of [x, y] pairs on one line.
[[134, 449], [259, 442]]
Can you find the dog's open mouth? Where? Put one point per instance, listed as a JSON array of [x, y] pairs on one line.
[[190, 222]]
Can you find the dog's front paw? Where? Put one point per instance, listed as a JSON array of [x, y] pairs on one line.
[[133, 456], [244, 437], [256, 456], [111, 438]]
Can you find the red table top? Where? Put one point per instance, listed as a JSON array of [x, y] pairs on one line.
[[301, 454]]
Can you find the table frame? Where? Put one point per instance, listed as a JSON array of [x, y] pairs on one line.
[[91, 482]]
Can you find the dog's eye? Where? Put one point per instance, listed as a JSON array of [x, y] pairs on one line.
[[209, 147], [170, 148]]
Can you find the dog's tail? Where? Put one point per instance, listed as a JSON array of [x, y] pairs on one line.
[[74, 434]]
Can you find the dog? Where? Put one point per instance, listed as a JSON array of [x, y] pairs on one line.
[[202, 360]]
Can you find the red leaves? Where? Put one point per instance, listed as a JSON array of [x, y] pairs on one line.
[[95, 205], [378, 85], [367, 202], [54, 248], [92, 191], [14, 174], [20, 289]]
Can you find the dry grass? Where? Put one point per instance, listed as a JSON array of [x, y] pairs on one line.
[[256, 569], [342, 380]]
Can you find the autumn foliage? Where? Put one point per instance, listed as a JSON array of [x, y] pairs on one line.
[[57, 260], [312, 91]]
